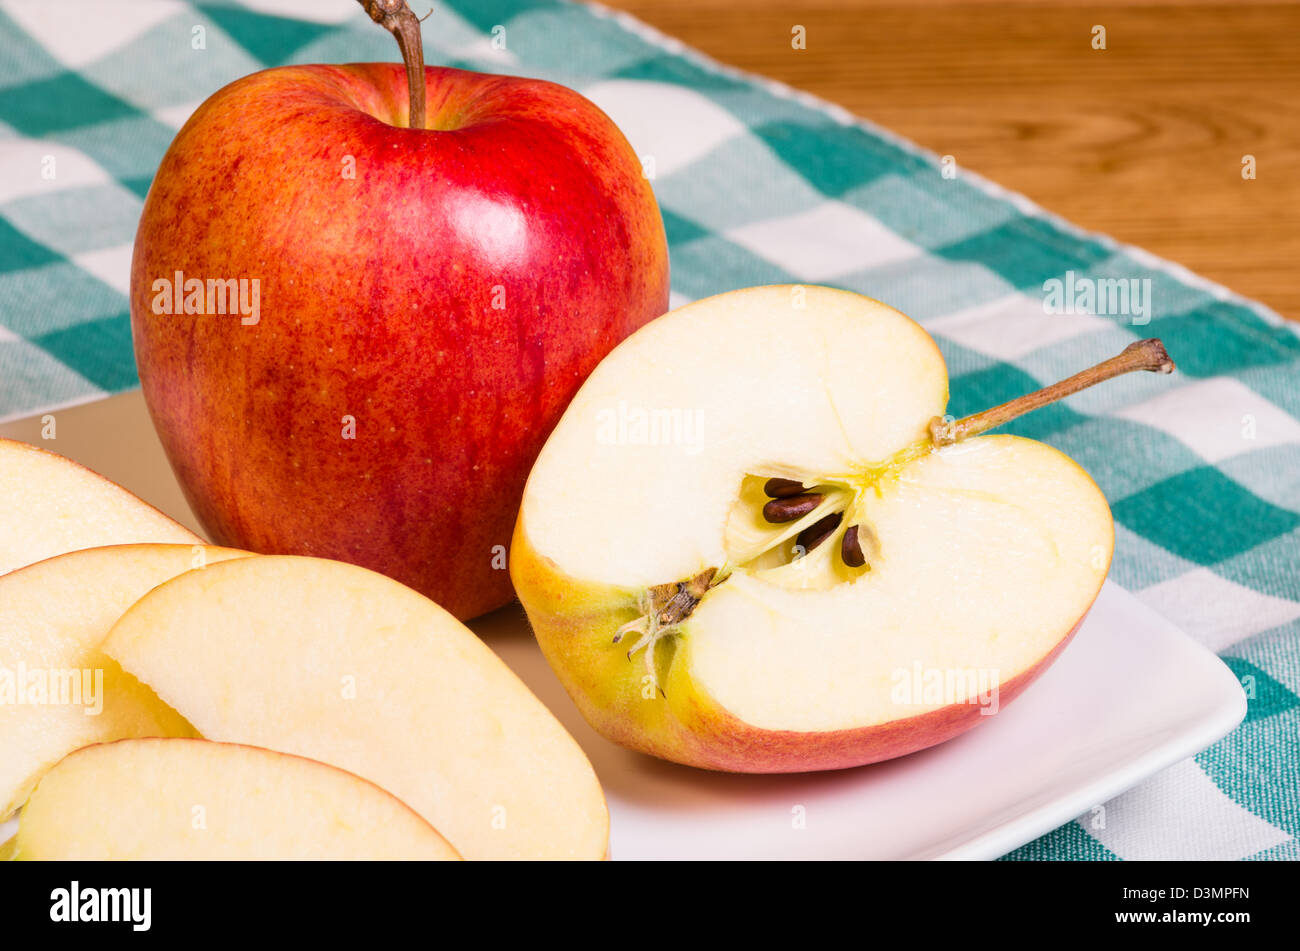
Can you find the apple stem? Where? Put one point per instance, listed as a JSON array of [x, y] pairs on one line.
[[396, 17], [1142, 355]]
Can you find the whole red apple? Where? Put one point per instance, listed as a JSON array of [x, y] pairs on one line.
[[354, 337]]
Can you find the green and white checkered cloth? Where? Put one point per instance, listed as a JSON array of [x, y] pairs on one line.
[[758, 184]]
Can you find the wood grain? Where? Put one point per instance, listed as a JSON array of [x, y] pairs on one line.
[[1143, 140]]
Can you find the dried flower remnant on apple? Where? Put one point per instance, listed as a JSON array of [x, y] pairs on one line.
[[663, 608], [816, 509]]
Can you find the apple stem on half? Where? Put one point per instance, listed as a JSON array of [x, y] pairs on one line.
[[396, 17], [1147, 355]]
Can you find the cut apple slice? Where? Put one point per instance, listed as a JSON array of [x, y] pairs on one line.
[[346, 666], [158, 799], [58, 691], [50, 505], [744, 547]]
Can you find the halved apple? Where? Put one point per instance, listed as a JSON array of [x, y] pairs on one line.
[[192, 799], [58, 691], [748, 545], [50, 505], [346, 666]]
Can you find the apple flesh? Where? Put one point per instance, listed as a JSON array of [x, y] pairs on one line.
[[159, 799], [687, 623], [340, 664], [51, 505], [53, 617], [429, 301]]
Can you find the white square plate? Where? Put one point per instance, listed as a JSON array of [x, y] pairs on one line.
[[1129, 696]]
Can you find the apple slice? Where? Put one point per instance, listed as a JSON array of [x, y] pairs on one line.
[[58, 692], [50, 505], [346, 666], [191, 799], [748, 545]]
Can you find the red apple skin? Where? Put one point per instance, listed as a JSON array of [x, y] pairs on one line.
[[377, 297], [722, 742]]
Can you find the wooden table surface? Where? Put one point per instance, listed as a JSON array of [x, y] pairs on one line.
[[1143, 140]]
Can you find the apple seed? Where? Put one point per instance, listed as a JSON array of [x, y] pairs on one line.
[[819, 531], [791, 508], [851, 550], [782, 488]]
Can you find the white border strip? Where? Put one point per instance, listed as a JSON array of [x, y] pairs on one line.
[[1025, 205]]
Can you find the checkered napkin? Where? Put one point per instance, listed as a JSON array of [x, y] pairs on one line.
[[758, 184]]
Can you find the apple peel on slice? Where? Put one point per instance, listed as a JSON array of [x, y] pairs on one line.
[[754, 542], [160, 799], [343, 665], [58, 690]]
